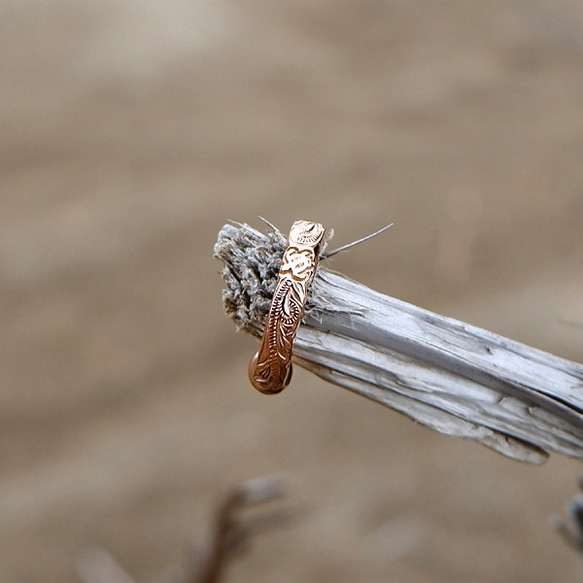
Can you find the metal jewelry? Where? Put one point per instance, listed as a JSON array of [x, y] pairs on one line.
[[270, 369]]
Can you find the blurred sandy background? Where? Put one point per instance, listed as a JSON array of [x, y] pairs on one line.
[[131, 131]]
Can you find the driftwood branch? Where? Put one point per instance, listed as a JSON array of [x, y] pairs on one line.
[[452, 377]]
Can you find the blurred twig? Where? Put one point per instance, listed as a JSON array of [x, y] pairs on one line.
[[571, 530], [232, 531], [230, 535]]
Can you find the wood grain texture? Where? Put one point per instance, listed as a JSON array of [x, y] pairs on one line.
[[455, 378]]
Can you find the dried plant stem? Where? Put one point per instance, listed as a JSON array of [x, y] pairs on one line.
[[452, 377]]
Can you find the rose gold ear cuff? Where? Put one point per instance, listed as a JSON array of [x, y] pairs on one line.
[[270, 369]]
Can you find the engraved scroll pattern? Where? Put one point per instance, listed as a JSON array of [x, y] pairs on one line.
[[270, 370]]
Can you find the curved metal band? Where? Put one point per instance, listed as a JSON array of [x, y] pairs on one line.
[[270, 369]]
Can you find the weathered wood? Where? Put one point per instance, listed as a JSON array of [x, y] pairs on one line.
[[452, 377]]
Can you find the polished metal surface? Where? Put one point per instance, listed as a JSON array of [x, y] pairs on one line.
[[270, 369]]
